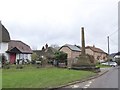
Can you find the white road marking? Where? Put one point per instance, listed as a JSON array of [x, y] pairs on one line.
[[75, 86], [85, 87], [90, 82]]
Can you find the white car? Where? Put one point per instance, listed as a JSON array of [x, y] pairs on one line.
[[113, 64], [105, 63]]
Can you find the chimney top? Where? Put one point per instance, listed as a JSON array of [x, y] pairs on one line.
[[94, 46]]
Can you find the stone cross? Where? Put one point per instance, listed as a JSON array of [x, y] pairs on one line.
[[83, 42]]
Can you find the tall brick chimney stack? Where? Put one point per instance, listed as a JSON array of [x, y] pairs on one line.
[[83, 42]]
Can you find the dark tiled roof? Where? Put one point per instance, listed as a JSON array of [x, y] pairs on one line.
[[72, 47], [113, 54], [117, 53], [95, 49], [22, 47], [5, 37]]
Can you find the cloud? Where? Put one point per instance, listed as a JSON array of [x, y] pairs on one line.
[[37, 22]]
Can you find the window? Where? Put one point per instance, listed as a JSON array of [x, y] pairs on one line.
[[21, 56], [25, 56]]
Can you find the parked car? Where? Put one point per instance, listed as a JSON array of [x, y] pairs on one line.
[[104, 63], [113, 64]]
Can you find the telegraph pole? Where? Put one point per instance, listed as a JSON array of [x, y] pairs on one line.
[[108, 46]]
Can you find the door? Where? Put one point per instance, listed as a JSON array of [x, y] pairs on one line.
[[12, 58]]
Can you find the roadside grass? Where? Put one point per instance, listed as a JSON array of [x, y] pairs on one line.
[[0, 78], [32, 77], [103, 66]]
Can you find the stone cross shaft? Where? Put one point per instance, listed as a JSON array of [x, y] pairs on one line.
[[83, 42]]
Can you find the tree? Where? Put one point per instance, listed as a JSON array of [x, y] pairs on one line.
[[5, 63], [61, 56], [54, 46], [35, 57]]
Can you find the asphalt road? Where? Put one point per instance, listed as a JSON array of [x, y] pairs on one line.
[[108, 80]]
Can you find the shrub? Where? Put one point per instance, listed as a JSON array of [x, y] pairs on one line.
[[34, 57], [61, 56]]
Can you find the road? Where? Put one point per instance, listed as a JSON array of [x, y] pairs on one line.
[[108, 80]]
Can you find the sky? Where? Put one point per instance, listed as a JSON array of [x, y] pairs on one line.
[[37, 22]]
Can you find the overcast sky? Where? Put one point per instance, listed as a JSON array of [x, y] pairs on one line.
[[37, 22]]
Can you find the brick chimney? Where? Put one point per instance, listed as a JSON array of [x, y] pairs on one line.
[[93, 46]]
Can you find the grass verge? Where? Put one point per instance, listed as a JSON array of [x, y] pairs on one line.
[[103, 66], [41, 78]]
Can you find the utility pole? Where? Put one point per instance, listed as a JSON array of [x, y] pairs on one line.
[[108, 46]]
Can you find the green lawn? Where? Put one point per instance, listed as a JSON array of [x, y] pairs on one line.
[[0, 78], [40, 78], [103, 66]]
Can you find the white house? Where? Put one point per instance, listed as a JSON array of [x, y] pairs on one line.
[[13, 49], [4, 40]]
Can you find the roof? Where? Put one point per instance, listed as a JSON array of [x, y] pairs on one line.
[[117, 53], [20, 46], [39, 52], [113, 54], [72, 47], [93, 48], [47, 52], [4, 34]]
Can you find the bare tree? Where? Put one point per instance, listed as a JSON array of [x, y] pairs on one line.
[[54, 46]]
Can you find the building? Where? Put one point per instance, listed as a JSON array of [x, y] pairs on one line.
[[73, 51], [97, 53], [13, 49], [18, 50], [46, 53], [4, 40]]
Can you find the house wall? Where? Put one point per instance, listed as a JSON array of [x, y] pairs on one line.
[[17, 57], [104, 56], [66, 50], [75, 54], [89, 51], [4, 48], [96, 54], [71, 55], [23, 56]]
